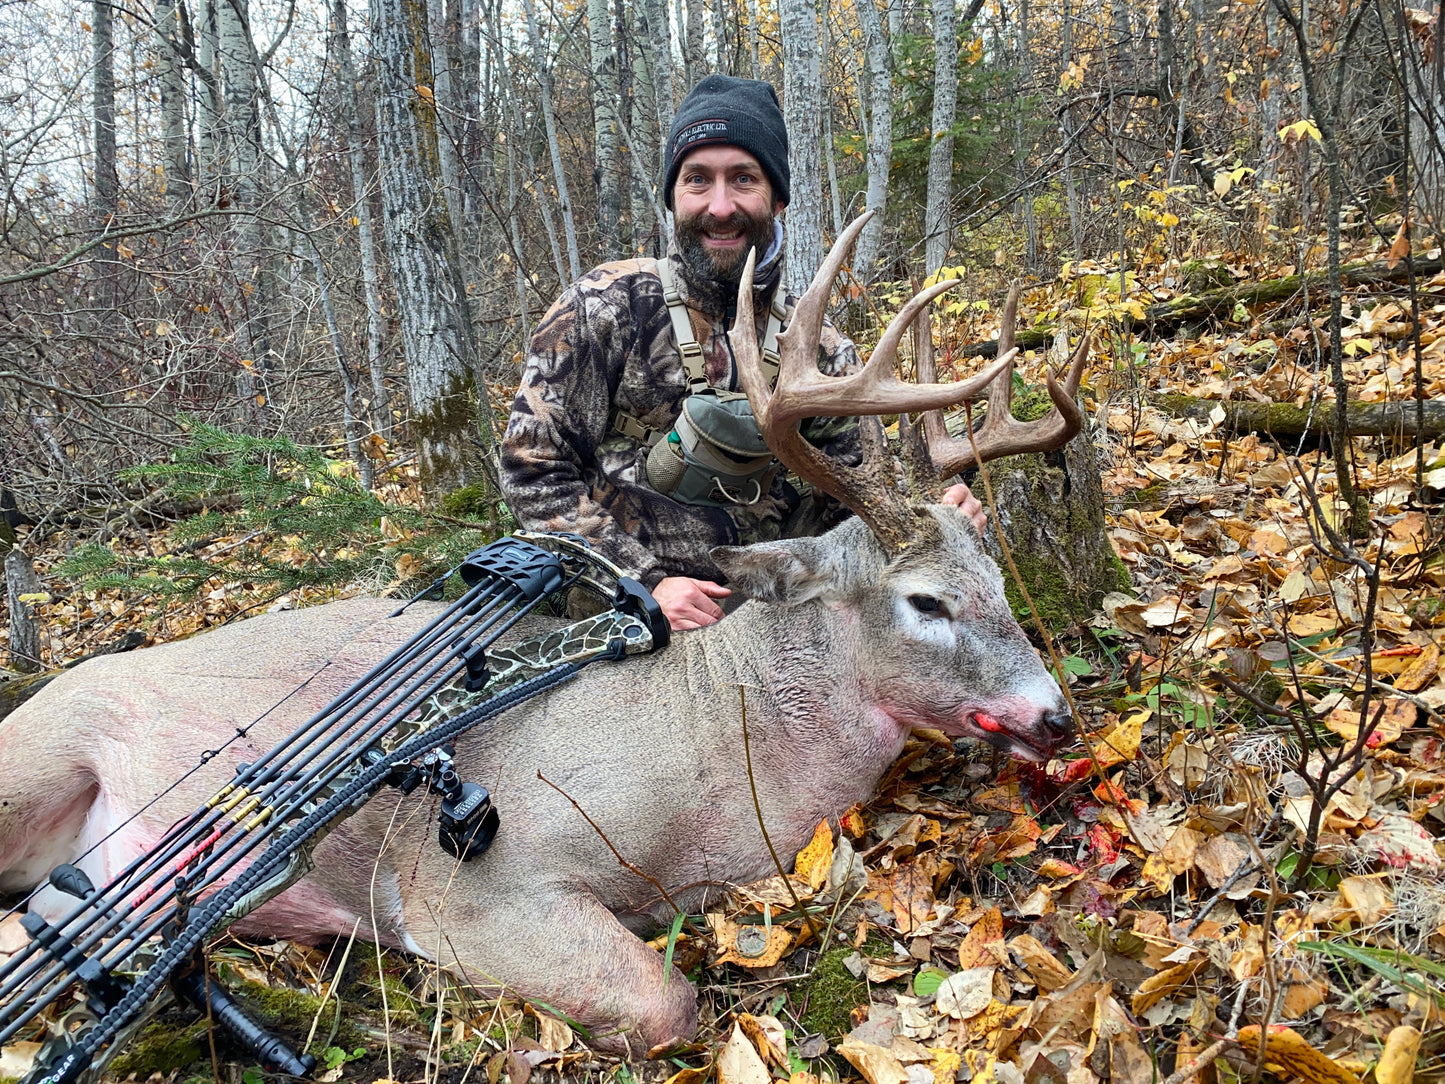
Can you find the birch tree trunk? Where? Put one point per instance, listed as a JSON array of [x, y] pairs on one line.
[[171, 82], [106, 180], [693, 42], [657, 57], [210, 143], [549, 118], [755, 18], [472, 142], [245, 179], [607, 147], [802, 113], [720, 39], [449, 109], [937, 222], [365, 228], [441, 359], [880, 135]]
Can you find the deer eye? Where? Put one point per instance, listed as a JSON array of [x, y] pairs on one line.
[[925, 604]]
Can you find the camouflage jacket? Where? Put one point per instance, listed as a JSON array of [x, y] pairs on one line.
[[608, 342]]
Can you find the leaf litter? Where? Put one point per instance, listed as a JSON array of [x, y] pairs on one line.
[[1123, 914]]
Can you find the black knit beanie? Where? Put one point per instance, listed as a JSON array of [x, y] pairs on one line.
[[733, 112]]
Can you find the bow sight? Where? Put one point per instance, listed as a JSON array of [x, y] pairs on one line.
[[127, 943]]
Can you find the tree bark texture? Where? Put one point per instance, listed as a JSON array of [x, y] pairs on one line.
[[1050, 511], [431, 296], [608, 167], [937, 224], [107, 184], [20, 580], [802, 112], [171, 83], [449, 108], [1397, 419], [880, 136]]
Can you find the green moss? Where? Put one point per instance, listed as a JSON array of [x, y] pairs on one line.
[[293, 1011], [162, 1048], [1202, 275], [470, 502], [831, 993], [1031, 402]]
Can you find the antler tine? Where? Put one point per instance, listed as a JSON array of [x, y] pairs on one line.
[[1001, 433]]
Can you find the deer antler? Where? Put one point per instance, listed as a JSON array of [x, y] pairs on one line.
[[1001, 433], [871, 489]]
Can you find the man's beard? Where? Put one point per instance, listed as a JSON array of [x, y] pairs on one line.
[[725, 268]]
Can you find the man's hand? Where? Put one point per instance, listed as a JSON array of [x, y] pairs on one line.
[[967, 503], [688, 603]]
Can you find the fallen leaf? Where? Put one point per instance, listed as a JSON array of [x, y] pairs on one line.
[[1165, 984], [1042, 965], [1288, 1051], [1397, 1060], [965, 993], [739, 1062], [814, 860], [877, 1065], [767, 1037], [1421, 671], [983, 947], [1367, 897]]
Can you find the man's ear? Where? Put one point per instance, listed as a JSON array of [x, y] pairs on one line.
[[786, 573], [778, 207]]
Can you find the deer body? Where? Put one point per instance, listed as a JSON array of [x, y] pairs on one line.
[[837, 657]]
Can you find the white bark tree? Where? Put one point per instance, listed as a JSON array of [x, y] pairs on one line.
[[879, 109], [365, 228], [549, 118], [803, 113], [436, 329], [171, 84], [937, 218], [607, 146]]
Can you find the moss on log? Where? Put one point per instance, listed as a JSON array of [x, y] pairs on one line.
[[1398, 419], [1167, 315]]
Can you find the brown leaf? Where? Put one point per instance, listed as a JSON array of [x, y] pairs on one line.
[[1042, 965], [1400, 246], [1165, 984], [983, 947], [739, 1062], [877, 1065], [1291, 1055], [1421, 671]]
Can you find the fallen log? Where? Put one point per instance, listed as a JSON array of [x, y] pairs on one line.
[[1397, 419], [1168, 315]]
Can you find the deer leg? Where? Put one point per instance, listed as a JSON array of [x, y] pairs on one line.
[[572, 954]]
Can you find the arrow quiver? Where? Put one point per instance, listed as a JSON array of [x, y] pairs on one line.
[[137, 941]]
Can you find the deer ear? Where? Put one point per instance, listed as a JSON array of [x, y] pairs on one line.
[[786, 573]]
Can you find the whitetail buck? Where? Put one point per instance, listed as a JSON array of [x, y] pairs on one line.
[[895, 619]]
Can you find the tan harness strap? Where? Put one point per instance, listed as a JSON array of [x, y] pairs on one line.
[[693, 362]]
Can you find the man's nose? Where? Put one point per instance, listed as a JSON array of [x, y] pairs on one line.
[[720, 201]]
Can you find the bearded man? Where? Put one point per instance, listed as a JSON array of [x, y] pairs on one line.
[[629, 427]]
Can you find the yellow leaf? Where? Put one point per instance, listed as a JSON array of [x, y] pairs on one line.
[[35, 596], [814, 860], [1119, 744], [355, 220], [1293, 1055], [1400, 246], [1299, 130], [1397, 1060], [1222, 184], [425, 92]]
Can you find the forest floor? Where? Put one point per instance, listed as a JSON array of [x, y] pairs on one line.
[[1111, 916]]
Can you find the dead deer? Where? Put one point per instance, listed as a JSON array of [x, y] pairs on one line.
[[895, 619]]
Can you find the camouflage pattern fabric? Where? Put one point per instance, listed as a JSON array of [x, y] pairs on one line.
[[608, 342]]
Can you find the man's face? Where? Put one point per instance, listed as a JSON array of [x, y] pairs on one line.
[[724, 206]]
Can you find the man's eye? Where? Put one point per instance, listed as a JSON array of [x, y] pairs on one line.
[[925, 604]]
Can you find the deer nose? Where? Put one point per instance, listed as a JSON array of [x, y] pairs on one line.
[[1059, 724]]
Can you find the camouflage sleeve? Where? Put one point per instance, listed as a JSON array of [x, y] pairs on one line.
[[560, 417]]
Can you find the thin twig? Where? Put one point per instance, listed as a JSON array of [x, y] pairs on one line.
[[615, 852], [757, 807]]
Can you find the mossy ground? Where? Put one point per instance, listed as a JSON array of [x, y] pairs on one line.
[[830, 994]]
